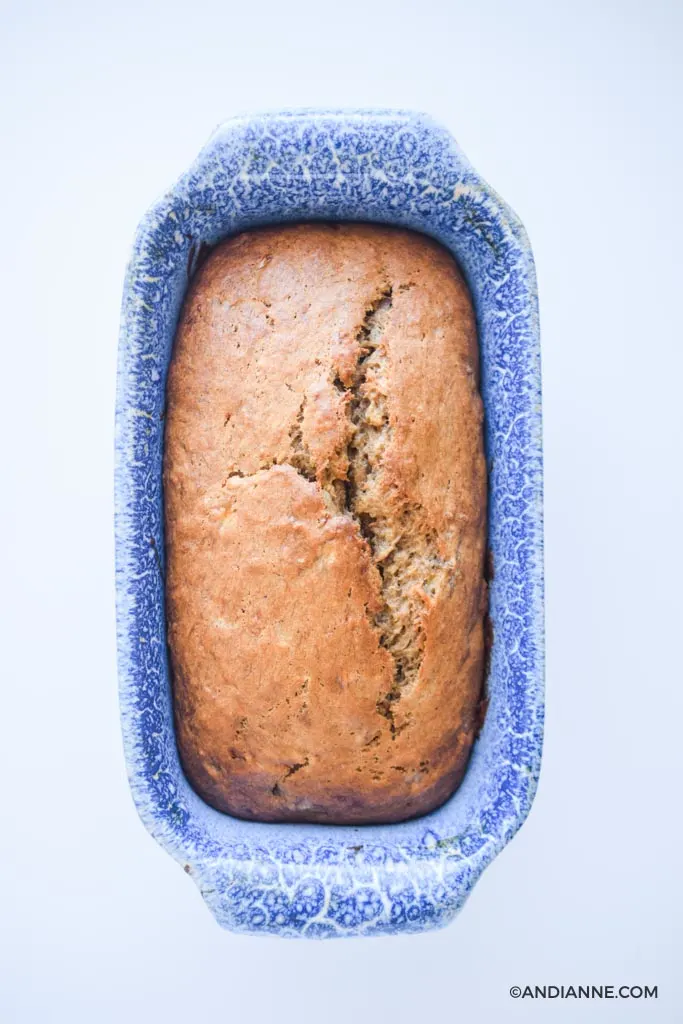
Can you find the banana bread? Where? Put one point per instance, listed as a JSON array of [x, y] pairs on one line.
[[325, 504]]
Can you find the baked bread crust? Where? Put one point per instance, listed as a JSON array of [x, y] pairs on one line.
[[325, 500]]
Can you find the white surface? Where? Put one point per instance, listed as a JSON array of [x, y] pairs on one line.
[[572, 111]]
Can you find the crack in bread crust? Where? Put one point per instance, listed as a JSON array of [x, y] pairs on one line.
[[404, 554], [301, 459]]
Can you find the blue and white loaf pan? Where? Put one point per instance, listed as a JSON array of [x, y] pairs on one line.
[[389, 167]]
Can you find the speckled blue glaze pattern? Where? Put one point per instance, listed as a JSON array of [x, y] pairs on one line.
[[316, 880]]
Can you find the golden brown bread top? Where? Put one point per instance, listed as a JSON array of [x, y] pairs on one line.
[[326, 521]]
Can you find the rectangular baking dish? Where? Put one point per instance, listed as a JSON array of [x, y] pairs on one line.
[[389, 167]]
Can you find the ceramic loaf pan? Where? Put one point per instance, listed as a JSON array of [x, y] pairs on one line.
[[320, 880]]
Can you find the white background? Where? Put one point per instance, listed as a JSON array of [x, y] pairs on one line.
[[572, 111]]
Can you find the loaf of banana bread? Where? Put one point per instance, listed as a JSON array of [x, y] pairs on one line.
[[325, 508]]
